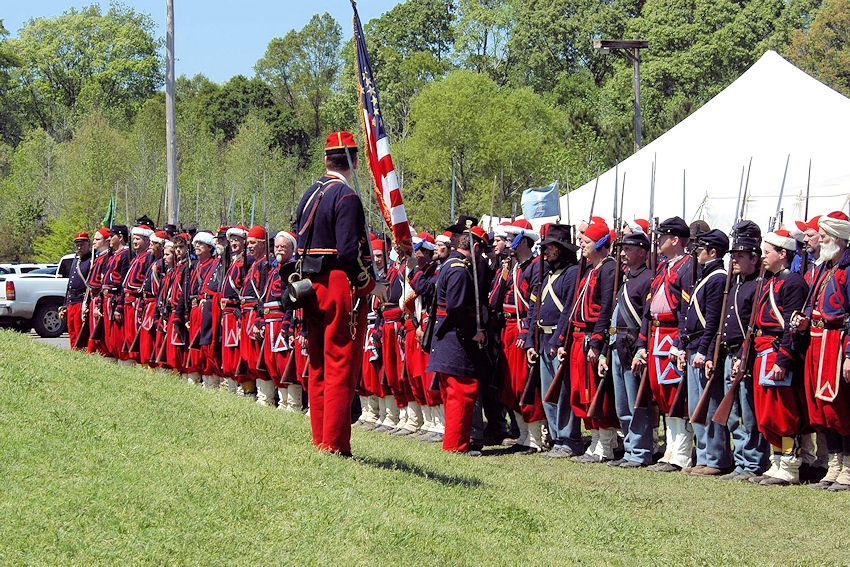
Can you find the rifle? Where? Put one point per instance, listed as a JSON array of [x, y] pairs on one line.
[[288, 374], [533, 382], [678, 408], [700, 413], [805, 263], [604, 386], [642, 396], [553, 393], [721, 416]]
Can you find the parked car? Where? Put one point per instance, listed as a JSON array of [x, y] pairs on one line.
[[31, 300], [17, 268]]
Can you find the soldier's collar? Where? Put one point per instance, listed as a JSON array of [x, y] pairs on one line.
[[336, 175]]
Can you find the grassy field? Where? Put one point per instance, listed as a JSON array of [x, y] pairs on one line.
[[108, 465]]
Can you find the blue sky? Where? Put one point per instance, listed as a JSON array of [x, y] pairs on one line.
[[217, 38]]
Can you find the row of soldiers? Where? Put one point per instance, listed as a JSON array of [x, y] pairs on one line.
[[200, 305], [471, 339], [667, 330]]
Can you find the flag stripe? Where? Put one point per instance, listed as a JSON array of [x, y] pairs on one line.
[[377, 144]]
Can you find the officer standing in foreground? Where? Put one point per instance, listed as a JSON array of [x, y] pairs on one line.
[[332, 240], [75, 294]]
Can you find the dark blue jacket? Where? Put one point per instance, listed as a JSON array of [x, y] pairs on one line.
[[453, 351]]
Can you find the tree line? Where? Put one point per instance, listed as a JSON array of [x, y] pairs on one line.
[[507, 93]]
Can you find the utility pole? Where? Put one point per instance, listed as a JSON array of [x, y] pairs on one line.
[[630, 49], [170, 134]]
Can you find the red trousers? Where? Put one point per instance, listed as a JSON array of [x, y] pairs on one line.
[[779, 410], [334, 359], [517, 376], [583, 384], [661, 368], [827, 396], [74, 319], [97, 346], [393, 363], [413, 359], [249, 348], [370, 381], [130, 327], [113, 331], [230, 343], [147, 340], [460, 393], [175, 353], [275, 361]]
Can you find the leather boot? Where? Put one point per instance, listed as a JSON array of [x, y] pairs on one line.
[[842, 482], [788, 472]]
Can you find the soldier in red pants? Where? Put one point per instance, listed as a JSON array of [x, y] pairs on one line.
[[332, 242]]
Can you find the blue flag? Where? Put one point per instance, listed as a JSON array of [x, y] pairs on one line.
[[540, 202]]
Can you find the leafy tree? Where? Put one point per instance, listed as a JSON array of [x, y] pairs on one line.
[[85, 60], [25, 192], [824, 49], [302, 68], [10, 128], [482, 34]]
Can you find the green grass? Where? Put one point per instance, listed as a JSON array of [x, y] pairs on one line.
[[107, 465]]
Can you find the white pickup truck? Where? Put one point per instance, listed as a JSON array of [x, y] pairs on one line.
[[32, 300]]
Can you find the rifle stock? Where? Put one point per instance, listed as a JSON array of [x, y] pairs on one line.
[[83, 338], [642, 398], [161, 355], [261, 359], [288, 374]]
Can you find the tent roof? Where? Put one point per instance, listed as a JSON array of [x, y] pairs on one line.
[[770, 112]]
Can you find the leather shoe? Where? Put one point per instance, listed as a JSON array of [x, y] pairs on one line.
[[773, 481], [557, 454], [616, 462], [587, 458], [822, 485], [706, 471], [664, 467], [838, 487], [631, 465]]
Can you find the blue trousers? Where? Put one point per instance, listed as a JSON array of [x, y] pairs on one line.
[[564, 426], [750, 448], [712, 440], [635, 422]]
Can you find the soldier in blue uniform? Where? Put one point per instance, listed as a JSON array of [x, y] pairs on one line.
[[749, 447], [634, 422], [75, 294], [702, 321], [332, 240], [555, 294], [456, 351]]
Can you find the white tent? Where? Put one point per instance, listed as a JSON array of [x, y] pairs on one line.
[[769, 112]]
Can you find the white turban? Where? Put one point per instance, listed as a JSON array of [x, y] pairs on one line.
[[836, 228], [205, 238]]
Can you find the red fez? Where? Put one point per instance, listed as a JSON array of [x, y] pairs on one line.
[[478, 232], [338, 141], [104, 232], [837, 215], [82, 235], [597, 230], [644, 224], [597, 219], [257, 232], [159, 237], [377, 245]]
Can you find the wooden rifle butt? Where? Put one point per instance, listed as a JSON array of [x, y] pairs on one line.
[[241, 367], [288, 375], [435, 383], [679, 407], [98, 331], [162, 355], [532, 384], [553, 392], [83, 338], [724, 408], [135, 347], [643, 391], [261, 359]]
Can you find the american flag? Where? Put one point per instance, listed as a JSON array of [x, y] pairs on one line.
[[377, 143]]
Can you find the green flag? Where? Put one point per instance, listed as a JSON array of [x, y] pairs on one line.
[[109, 218]]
